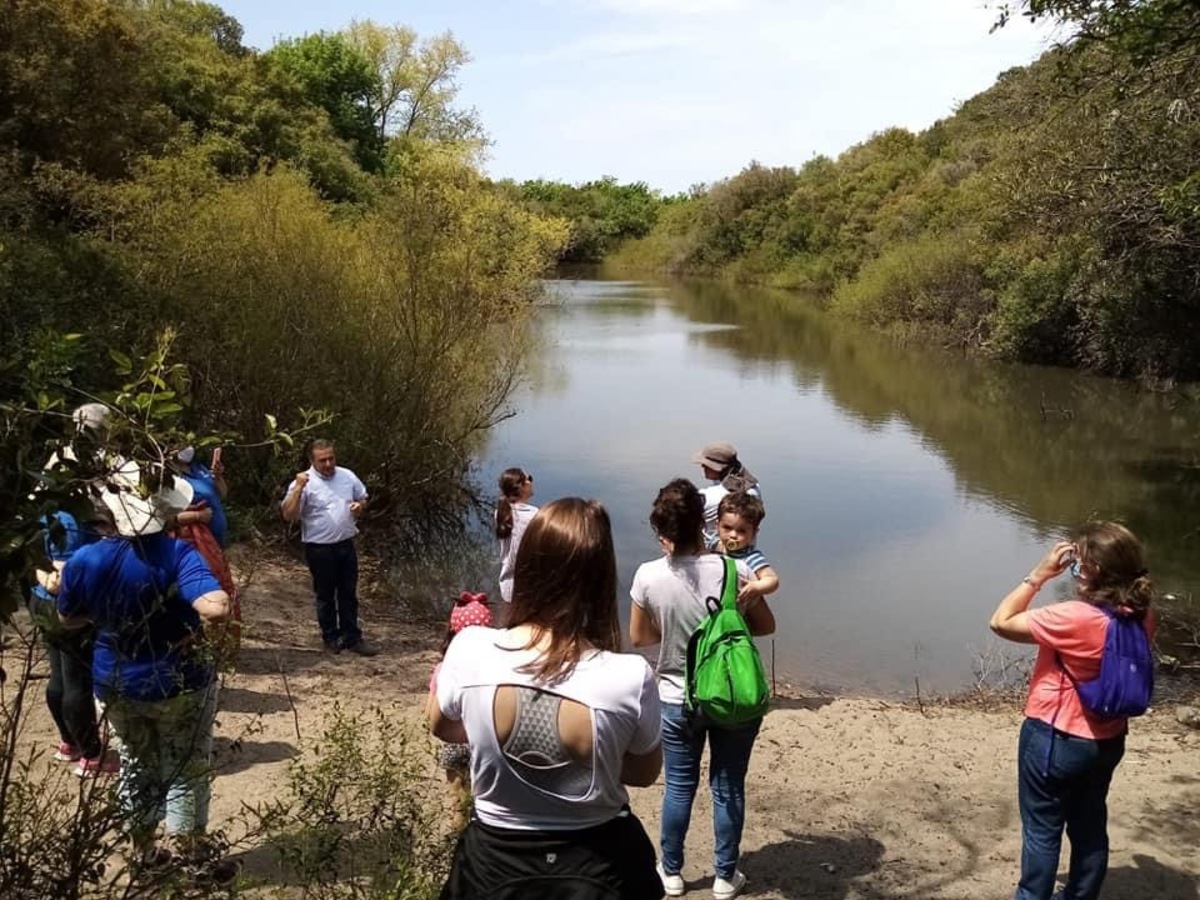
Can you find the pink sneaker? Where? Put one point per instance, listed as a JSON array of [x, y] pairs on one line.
[[66, 752], [107, 764]]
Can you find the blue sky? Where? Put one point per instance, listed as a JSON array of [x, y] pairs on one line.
[[676, 92]]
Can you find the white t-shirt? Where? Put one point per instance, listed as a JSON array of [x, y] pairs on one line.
[[325, 516], [522, 514], [673, 592], [619, 690]]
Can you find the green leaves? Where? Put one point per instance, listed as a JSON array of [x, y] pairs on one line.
[[124, 363]]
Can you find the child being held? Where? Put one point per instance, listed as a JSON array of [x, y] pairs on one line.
[[739, 516], [469, 609]]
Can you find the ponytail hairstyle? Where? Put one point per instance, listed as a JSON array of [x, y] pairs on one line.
[[736, 478], [678, 516], [1114, 571], [511, 482]]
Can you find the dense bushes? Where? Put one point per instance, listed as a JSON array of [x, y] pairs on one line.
[[1054, 218], [602, 214], [309, 220]]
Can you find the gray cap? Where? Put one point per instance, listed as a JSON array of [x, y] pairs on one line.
[[716, 455]]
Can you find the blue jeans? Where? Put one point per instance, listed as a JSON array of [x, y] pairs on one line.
[[334, 569], [1073, 794], [729, 748], [165, 748]]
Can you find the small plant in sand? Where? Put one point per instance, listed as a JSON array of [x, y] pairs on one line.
[[360, 819]]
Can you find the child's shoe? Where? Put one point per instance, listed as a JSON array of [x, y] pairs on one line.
[[105, 764], [67, 752]]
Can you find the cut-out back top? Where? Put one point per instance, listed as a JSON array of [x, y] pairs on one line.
[[532, 782]]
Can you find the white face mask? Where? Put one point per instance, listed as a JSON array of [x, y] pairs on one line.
[[186, 455]]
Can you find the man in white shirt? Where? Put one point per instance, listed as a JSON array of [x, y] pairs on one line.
[[326, 500]]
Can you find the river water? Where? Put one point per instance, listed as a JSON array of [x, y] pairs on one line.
[[906, 491]]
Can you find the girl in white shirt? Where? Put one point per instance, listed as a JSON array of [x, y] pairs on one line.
[[558, 722], [513, 513]]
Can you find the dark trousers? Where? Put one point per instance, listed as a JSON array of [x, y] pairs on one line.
[[1070, 792], [69, 690], [334, 569]]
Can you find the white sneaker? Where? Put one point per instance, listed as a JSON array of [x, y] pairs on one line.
[[727, 890], [673, 885]]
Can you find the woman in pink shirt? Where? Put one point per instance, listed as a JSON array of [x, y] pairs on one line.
[[1067, 754]]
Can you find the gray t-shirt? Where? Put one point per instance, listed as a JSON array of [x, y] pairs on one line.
[[672, 591]]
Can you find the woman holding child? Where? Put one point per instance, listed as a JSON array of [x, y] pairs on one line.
[[1067, 753], [558, 722], [668, 606]]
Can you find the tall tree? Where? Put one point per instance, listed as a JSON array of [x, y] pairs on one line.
[[335, 76], [415, 82], [1142, 29]]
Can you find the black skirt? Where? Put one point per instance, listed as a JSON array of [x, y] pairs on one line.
[[613, 861]]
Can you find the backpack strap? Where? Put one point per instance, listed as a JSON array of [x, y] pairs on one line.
[[729, 585], [1058, 660]]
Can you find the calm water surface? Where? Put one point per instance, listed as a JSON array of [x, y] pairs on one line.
[[906, 492]]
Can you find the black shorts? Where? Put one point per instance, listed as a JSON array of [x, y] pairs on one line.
[[613, 861]]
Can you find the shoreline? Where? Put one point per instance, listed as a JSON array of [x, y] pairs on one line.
[[848, 798]]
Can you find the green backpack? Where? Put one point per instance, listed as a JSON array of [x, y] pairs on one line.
[[725, 677]]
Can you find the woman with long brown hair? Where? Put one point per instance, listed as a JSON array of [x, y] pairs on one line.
[[1067, 753], [558, 721], [513, 514]]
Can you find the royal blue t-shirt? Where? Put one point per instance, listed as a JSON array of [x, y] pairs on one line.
[[62, 546], [139, 592], [204, 485]]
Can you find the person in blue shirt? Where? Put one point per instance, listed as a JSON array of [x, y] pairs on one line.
[[68, 652], [151, 599], [208, 487]]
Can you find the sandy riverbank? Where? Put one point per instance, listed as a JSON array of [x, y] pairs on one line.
[[847, 798]]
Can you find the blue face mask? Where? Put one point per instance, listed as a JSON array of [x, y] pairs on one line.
[[1076, 570]]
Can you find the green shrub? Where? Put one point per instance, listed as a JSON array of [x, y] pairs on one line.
[[935, 280]]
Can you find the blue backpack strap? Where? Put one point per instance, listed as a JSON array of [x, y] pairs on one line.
[[729, 584]]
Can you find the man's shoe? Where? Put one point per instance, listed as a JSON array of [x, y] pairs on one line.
[[362, 648], [334, 647], [219, 872], [727, 890], [673, 885]]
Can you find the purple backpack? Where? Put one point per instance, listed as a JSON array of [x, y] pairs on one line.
[[1126, 679]]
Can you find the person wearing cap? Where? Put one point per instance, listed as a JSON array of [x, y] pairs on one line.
[[91, 432], [209, 490], [327, 499], [153, 601], [720, 463]]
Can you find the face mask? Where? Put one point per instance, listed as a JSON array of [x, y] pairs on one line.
[[1077, 571], [187, 454]]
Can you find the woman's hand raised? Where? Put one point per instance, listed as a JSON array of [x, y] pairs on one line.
[[1053, 563]]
